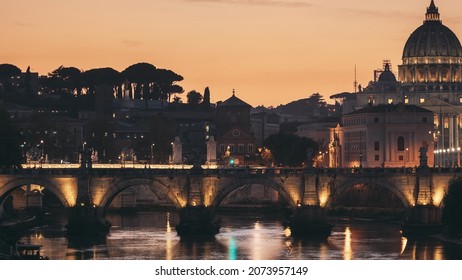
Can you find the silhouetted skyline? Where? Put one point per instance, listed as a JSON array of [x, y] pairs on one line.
[[270, 51]]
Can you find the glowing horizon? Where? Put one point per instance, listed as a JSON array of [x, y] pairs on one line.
[[270, 51]]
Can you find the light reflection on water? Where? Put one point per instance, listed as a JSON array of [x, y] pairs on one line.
[[152, 236]]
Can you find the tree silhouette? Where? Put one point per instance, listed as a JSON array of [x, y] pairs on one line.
[[194, 97], [7, 71], [290, 149], [100, 76], [166, 83], [206, 100], [142, 75], [62, 81]]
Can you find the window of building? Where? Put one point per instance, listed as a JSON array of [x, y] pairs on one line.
[[446, 122], [222, 148], [401, 158], [240, 148], [406, 100], [231, 148], [390, 101], [376, 146], [424, 119], [460, 99], [422, 100], [376, 120], [401, 143], [371, 100], [250, 148], [377, 157]]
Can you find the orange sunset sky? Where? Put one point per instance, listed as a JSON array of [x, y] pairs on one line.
[[271, 51]]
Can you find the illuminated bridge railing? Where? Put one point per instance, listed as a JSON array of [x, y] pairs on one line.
[[172, 170]]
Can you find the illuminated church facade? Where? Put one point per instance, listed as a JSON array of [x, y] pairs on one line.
[[430, 77]]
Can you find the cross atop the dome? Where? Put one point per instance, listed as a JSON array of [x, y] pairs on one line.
[[432, 13]]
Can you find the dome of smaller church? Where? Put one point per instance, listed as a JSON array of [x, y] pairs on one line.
[[387, 75]]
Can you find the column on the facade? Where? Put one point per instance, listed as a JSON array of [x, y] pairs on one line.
[[451, 131], [440, 138], [457, 138]]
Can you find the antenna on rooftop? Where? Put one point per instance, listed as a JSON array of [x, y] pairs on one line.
[[355, 83]]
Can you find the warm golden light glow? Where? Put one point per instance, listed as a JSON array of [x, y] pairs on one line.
[[287, 232], [168, 227], [438, 196], [403, 244], [347, 253], [323, 197], [256, 225]]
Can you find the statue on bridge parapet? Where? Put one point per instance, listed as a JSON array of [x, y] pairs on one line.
[[423, 157]]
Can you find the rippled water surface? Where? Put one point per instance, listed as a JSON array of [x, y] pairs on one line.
[[151, 235]]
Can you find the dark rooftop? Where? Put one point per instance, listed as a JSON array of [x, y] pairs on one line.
[[391, 108]]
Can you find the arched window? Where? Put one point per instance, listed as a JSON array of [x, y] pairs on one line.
[[401, 143]]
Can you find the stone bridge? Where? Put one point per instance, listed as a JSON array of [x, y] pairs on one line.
[[198, 192]]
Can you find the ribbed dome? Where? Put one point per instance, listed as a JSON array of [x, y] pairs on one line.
[[432, 39]]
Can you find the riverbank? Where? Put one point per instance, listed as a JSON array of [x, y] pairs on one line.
[[368, 214]]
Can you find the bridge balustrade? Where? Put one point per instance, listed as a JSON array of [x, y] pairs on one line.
[[220, 171]]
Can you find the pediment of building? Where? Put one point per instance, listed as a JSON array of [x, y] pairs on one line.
[[437, 105]]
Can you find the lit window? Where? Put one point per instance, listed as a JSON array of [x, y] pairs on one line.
[[422, 100], [371, 100], [460, 99], [390, 101], [406, 100]]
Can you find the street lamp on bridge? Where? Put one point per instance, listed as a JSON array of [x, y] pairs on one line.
[[42, 152], [152, 152]]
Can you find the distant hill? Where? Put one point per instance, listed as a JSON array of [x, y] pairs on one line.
[[313, 106]]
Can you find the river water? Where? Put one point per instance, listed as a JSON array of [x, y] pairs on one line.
[[243, 236]]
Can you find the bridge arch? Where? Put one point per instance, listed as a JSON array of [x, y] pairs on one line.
[[384, 183], [58, 191], [233, 186], [122, 185]]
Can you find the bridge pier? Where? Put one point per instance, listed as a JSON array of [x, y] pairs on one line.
[[310, 221], [85, 218], [422, 220], [196, 221], [85, 221]]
